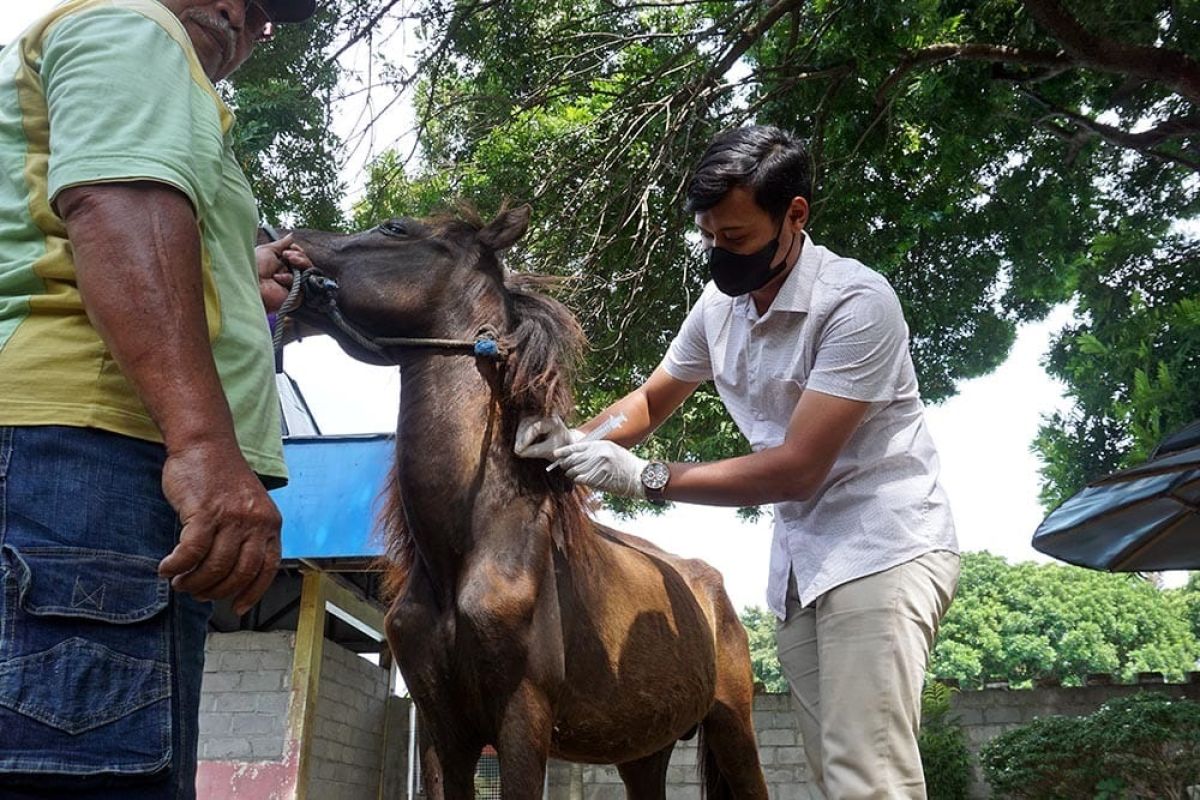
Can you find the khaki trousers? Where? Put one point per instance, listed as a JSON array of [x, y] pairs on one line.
[[856, 660]]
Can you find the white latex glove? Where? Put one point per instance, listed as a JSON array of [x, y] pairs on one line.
[[539, 437], [603, 465]]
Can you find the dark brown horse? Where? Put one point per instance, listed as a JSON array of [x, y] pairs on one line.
[[518, 622]]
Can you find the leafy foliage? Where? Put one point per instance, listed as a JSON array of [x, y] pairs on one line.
[[1049, 757], [764, 661], [993, 158], [1132, 362], [1026, 621], [1141, 746], [284, 99], [945, 758]]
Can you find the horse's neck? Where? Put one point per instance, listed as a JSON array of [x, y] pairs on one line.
[[453, 465]]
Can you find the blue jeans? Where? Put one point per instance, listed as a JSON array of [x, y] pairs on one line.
[[100, 662]]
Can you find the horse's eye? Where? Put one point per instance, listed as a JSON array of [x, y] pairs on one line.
[[393, 227]]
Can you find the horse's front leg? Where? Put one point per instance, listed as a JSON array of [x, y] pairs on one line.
[[448, 774], [523, 744]]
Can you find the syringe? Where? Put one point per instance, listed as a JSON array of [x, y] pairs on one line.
[[599, 432]]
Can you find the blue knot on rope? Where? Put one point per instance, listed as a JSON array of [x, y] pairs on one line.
[[487, 348]]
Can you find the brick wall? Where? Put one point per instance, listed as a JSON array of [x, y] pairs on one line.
[[245, 694], [360, 736], [349, 727], [986, 714], [779, 750], [983, 715]]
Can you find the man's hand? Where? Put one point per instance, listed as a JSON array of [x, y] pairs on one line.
[[229, 546], [539, 437], [275, 263], [603, 465]]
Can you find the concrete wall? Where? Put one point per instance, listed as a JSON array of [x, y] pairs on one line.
[[349, 729], [245, 751], [244, 698], [988, 713], [248, 748], [983, 715], [359, 737]]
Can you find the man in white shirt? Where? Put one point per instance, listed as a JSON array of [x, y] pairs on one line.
[[809, 352]]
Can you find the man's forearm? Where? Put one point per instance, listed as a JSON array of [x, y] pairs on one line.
[[775, 475], [645, 408], [637, 426], [137, 264]]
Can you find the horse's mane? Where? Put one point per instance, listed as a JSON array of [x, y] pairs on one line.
[[544, 348]]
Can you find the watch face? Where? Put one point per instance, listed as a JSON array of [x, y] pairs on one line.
[[655, 475]]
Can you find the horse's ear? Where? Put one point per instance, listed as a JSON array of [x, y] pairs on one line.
[[507, 228]]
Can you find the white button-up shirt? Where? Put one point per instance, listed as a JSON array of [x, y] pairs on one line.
[[835, 327]]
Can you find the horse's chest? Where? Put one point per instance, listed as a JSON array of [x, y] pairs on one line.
[[479, 644]]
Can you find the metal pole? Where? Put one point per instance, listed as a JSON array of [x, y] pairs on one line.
[[412, 749]]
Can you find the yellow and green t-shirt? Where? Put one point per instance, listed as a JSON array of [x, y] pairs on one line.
[[104, 91]]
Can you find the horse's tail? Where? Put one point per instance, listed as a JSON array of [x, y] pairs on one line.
[[715, 786]]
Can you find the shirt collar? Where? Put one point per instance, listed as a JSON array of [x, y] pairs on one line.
[[796, 292]]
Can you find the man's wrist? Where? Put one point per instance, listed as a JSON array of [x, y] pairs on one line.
[[655, 477]]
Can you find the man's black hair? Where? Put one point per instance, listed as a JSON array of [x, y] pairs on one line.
[[772, 162]]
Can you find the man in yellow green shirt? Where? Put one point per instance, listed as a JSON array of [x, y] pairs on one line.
[[139, 425]]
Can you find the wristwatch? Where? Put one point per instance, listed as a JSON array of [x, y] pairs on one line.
[[655, 476]]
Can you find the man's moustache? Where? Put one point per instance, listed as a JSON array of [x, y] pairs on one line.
[[218, 25]]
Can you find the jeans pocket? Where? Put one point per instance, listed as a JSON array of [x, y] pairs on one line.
[[85, 670]]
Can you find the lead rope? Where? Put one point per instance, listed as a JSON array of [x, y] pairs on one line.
[[486, 343], [290, 304]]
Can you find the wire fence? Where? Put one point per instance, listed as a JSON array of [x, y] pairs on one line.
[[487, 777]]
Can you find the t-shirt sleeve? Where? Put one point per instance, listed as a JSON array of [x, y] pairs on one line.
[[123, 106], [689, 358], [862, 347]]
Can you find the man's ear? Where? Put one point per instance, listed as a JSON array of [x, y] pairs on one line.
[[798, 211], [504, 230]]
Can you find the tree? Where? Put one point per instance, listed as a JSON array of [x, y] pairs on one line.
[[1189, 596], [284, 98], [1025, 621], [992, 159], [1132, 362], [764, 661]]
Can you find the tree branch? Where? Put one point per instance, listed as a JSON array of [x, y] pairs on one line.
[[1143, 142], [749, 36], [937, 53], [362, 32], [1168, 67]]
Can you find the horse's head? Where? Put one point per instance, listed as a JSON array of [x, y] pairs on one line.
[[441, 278], [423, 278]]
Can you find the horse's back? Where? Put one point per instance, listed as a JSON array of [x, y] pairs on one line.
[[706, 581]]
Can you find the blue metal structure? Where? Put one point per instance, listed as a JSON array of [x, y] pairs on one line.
[[332, 498]]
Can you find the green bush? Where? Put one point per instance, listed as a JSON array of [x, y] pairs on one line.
[[1142, 746], [1046, 758], [944, 754]]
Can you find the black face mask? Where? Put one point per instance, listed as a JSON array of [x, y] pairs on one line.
[[737, 274]]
